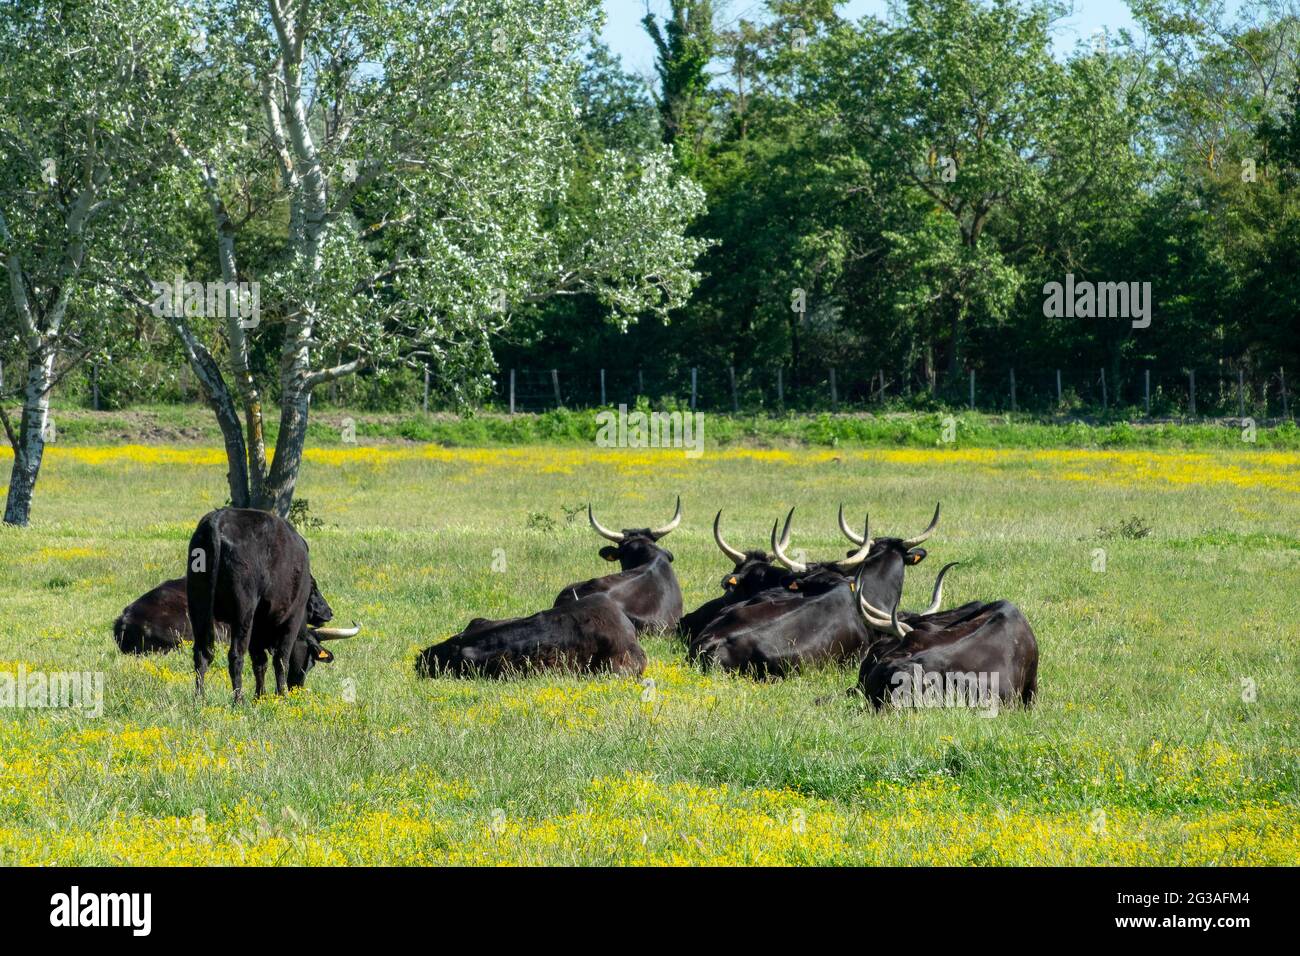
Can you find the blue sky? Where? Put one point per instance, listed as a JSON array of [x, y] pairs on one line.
[[625, 35]]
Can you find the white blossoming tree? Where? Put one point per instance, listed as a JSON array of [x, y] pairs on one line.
[[423, 160]]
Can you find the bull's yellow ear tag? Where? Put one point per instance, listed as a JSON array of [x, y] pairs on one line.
[[323, 655], [732, 580], [853, 586]]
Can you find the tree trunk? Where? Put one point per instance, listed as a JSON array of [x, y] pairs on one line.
[[31, 440], [796, 357], [222, 403], [954, 337], [278, 489], [237, 475]]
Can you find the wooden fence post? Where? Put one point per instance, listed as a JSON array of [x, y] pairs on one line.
[[1146, 391], [1281, 374], [694, 379], [1191, 391], [735, 400], [555, 382], [972, 390], [1013, 390], [602, 386], [1105, 401], [512, 391], [1058, 388], [780, 390], [94, 386], [1241, 393], [426, 391], [835, 398]]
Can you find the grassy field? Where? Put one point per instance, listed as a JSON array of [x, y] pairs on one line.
[[1146, 746], [885, 427]]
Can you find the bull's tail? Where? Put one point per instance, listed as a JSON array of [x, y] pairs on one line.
[[119, 632], [201, 587], [1030, 692]]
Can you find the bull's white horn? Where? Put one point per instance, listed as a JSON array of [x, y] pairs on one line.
[[857, 557], [897, 626], [847, 531], [327, 633], [658, 533], [869, 614], [601, 530], [727, 549], [937, 596], [934, 523], [778, 547], [873, 617], [881, 621]]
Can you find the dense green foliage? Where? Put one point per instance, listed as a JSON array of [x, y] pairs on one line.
[[921, 179]]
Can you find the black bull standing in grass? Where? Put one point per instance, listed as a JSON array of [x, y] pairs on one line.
[[250, 571]]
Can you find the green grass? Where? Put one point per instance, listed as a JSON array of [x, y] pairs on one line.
[[1141, 749], [823, 430]]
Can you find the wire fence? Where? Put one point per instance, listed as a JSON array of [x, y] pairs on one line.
[[1138, 393], [1141, 392]]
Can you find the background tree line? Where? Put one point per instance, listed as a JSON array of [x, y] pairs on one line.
[[922, 178]]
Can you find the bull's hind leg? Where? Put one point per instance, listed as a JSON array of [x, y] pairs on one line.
[[241, 635], [258, 655], [202, 658], [280, 660], [1030, 691]]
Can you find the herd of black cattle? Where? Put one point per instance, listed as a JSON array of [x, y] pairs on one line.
[[249, 582]]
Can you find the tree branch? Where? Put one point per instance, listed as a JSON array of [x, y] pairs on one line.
[[9, 430], [324, 375]]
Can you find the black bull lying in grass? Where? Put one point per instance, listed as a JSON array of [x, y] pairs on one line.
[[813, 618], [158, 622], [755, 572], [592, 626], [590, 634], [646, 589], [973, 655]]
